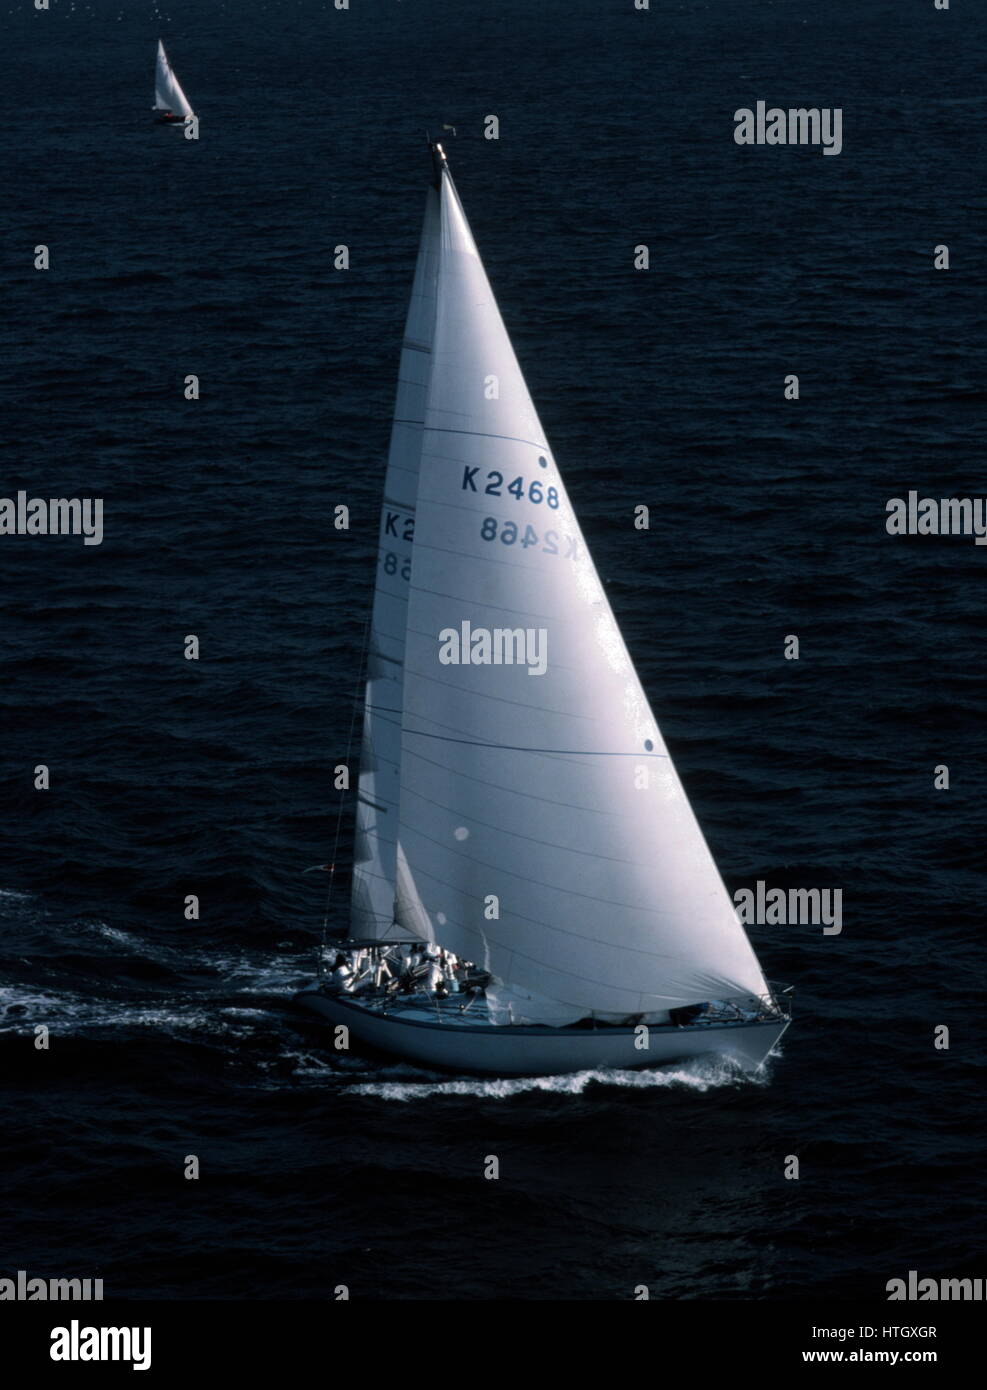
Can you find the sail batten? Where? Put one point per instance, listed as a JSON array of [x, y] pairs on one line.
[[542, 830]]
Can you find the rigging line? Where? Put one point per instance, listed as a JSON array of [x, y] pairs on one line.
[[503, 747], [361, 665], [516, 748]]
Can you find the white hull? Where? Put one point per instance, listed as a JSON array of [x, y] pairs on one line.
[[455, 1044]]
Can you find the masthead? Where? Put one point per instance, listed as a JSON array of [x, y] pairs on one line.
[[439, 160]]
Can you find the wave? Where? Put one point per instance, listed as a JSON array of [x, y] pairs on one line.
[[700, 1076], [22, 1009]]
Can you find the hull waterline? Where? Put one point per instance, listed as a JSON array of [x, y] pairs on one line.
[[489, 1050]]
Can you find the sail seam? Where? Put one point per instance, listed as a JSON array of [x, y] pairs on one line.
[[493, 607], [503, 830], [518, 748], [487, 559], [516, 791], [575, 758], [567, 890], [478, 434], [438, 723], [562, 931]]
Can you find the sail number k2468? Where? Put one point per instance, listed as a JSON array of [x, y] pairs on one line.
[[535, 491], [391, 523], [392, 563], [509, 533]]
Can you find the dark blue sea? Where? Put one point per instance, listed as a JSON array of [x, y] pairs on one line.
[[664, 387]]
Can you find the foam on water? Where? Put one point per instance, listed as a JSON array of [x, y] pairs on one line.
[[22, 1007], [262, 972], [700, 1076], [22, 1011], [118, 936], [19, 1005], [284, 976]]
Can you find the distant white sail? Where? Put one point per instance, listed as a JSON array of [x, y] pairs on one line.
[[528, 840], [375, 873], [168, 94]]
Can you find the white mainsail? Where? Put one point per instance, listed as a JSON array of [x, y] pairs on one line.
[[375, 875], [543, 831], [168, 94]]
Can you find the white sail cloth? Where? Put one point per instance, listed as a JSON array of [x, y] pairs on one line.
[[375, 873], [168, 94], [543, 831]]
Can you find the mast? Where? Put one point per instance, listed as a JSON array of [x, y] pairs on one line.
[[439, 161]]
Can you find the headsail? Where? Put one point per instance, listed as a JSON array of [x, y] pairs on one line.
[[375, 876], [168, 94], [543, 831]]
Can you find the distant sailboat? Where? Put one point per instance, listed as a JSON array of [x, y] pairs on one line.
[[169, 99], [532, 893]]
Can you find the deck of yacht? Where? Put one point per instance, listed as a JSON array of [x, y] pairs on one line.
[[472, 1011]]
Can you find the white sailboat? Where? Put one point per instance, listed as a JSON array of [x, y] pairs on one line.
[[528, 822], [169, 100]]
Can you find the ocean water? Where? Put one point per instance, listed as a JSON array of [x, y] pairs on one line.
[[663, 387]]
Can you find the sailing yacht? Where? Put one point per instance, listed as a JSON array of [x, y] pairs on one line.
[[532, 893], [169, 100]]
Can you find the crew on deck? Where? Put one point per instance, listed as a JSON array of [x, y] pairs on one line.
[[411, 968]]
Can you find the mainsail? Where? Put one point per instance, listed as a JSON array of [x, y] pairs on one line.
[[542, 830], [375, 872], [168, 94]]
